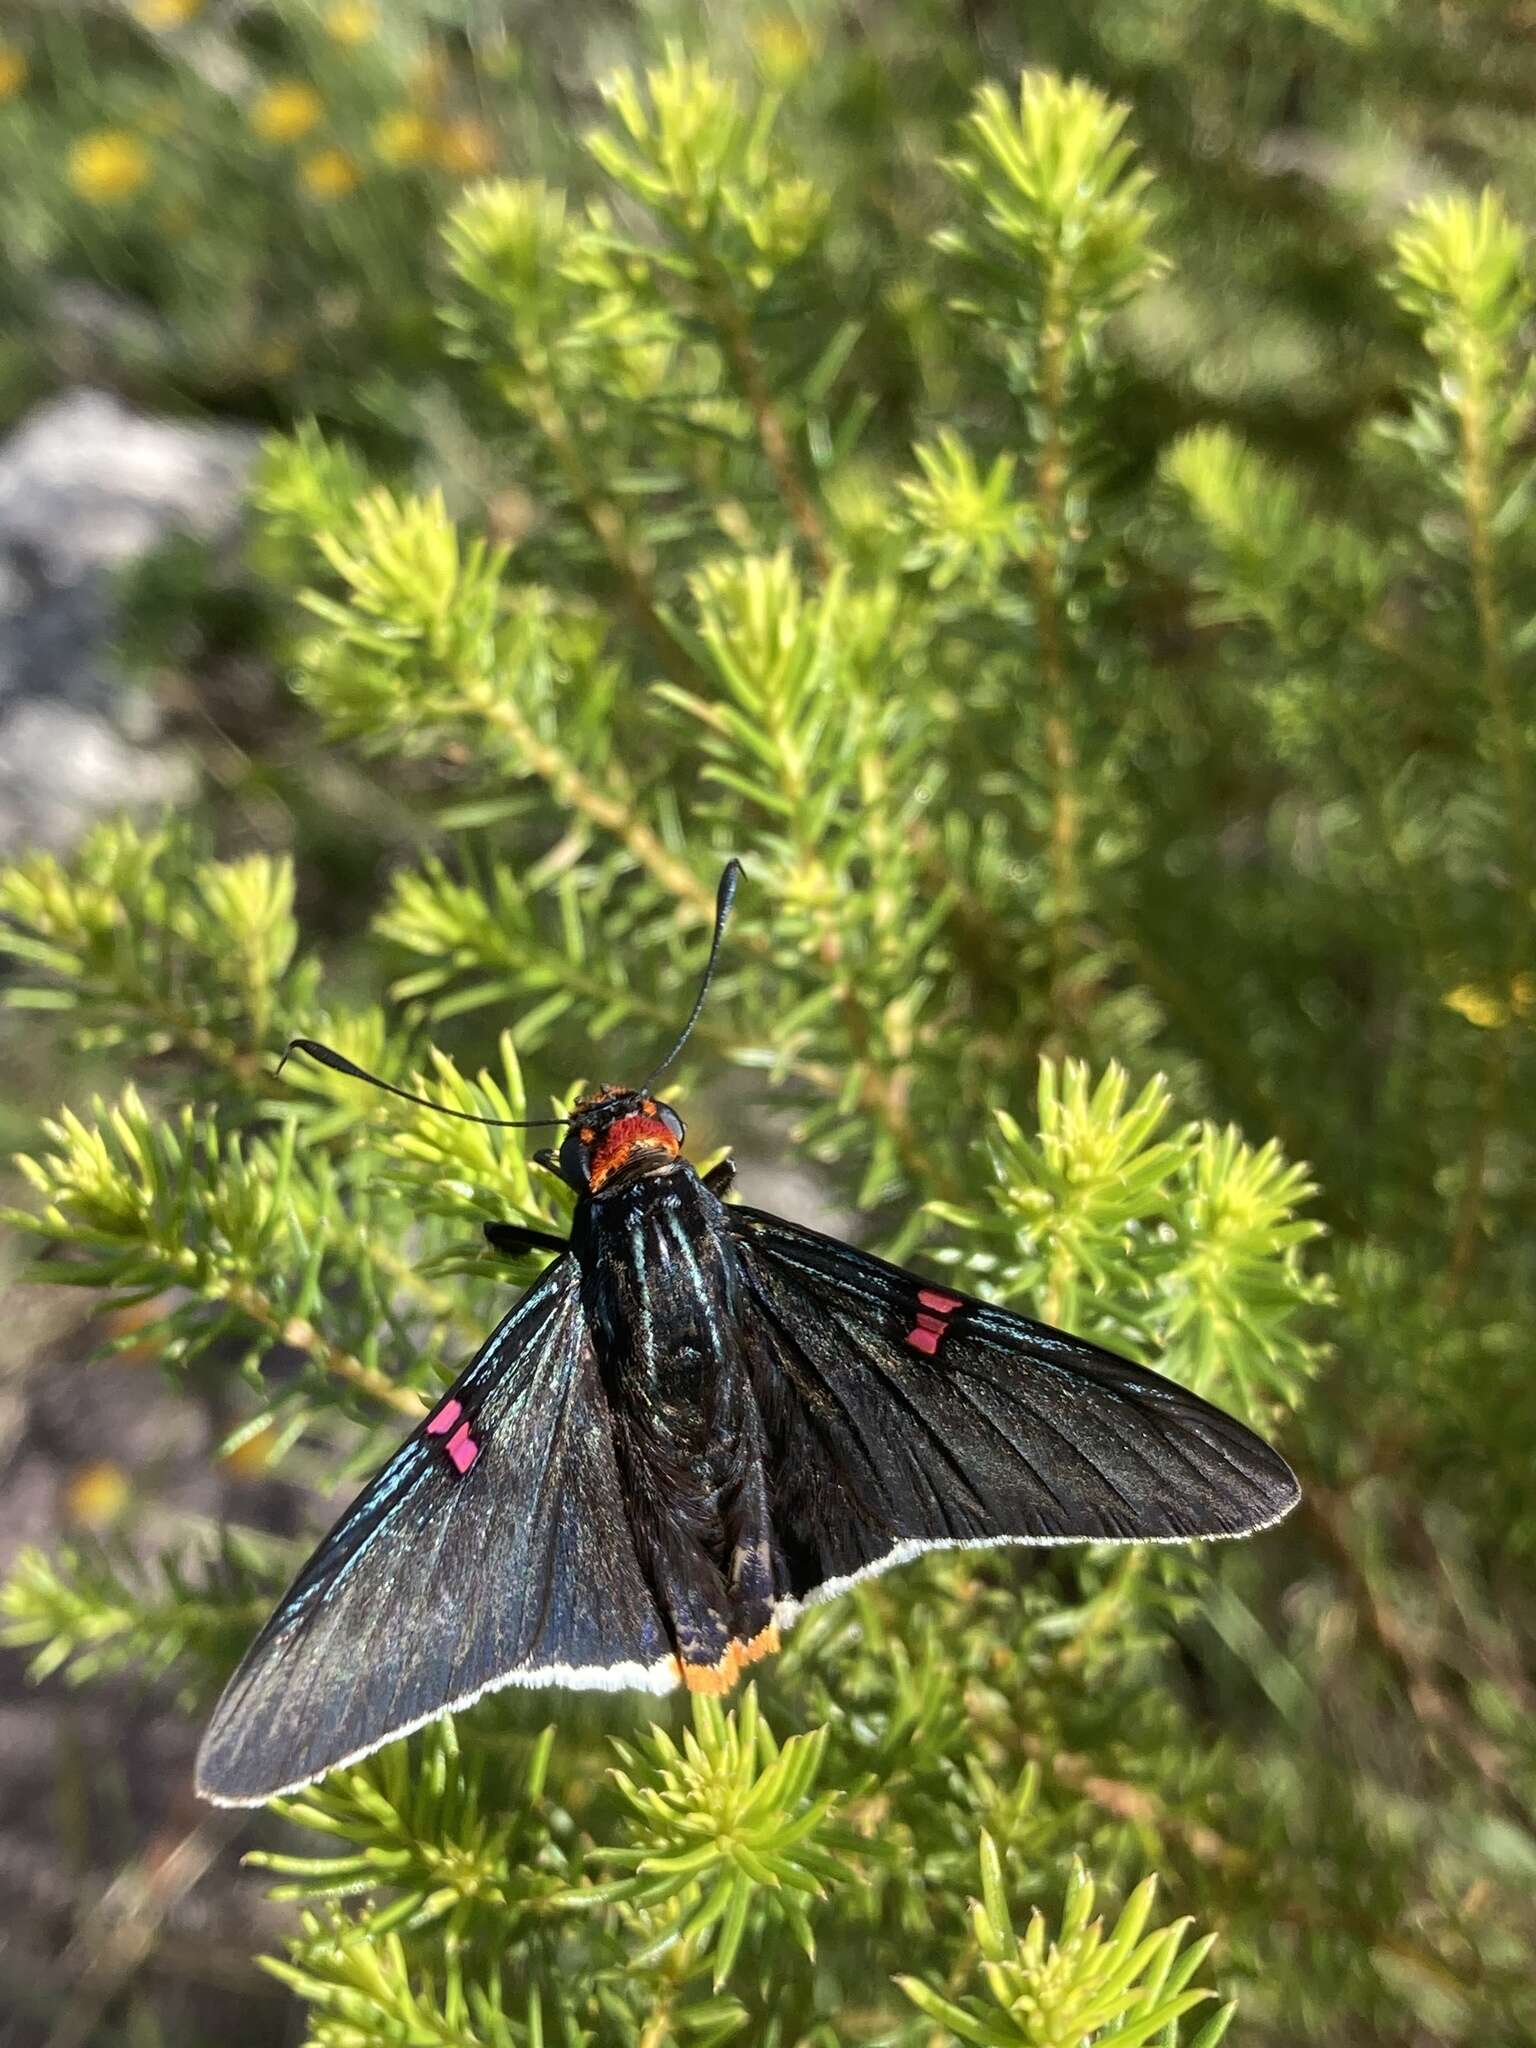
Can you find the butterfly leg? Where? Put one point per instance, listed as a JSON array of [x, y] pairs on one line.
[[514, 1238]]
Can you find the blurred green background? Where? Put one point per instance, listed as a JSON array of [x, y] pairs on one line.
[[1298, 586]]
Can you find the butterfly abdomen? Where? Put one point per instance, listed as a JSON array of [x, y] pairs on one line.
[[661, 1283]]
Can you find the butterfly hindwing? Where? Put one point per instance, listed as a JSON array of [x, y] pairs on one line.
[[493, 1549], [906, 1416]]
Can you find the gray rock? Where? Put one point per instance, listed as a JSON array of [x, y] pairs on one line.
[[62, 766], [88, 486]]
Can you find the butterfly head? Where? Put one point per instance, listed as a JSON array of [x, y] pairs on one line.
[[617, 1136]]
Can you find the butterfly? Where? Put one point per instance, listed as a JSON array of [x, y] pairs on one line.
[[699, 1420]]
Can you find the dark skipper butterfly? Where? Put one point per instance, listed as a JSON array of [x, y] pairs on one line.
[[699, 1420]]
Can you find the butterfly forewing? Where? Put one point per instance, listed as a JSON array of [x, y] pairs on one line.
[[493, 1549], [904, 1415]]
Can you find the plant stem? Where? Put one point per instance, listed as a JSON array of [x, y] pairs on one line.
[[1060, 742], [303, 1336], [607, 524], [771, 435], [614, 810], [119, 1933], [1477, 495]]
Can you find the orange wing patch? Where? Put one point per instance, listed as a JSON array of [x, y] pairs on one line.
[[719, 1678]]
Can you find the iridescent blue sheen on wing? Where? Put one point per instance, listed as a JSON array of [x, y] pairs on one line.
[[903, 1417], [452, 1574], [700, 1419]]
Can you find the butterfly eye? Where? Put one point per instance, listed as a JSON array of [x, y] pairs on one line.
[[574, 1157], [672, 1120]]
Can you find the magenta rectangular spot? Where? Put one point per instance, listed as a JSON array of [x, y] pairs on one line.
[[924, 1339], [445, 1418], [462, 1448], [941, 1304]]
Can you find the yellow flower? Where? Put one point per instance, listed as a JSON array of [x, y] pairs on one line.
[[158, 14], [286, 112], [783, 47], [1479, 1006], [13, 70], [404, 137], [108, 166], [328, 174], [466, 147], [253, 1455], [351, 22], [97, 1494], [1490, 1011]]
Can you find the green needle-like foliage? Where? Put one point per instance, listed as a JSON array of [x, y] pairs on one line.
[[96, 1609], [449, 1838], [1138, 812], [1189, 1245], [1057, 186], [727, 1820], [1117, 1991]]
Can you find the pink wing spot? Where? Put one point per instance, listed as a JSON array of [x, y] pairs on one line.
[[462, 1448], [941, 1304], [445, 1418], [930, 1319]]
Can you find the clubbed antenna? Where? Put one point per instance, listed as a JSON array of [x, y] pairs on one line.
[[339, 1063], [329, 1057], [725, 897]]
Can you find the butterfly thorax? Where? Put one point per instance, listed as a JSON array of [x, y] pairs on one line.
[[659, 1287]]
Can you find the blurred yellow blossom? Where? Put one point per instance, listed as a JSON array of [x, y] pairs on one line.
[[159, 14], [285, 112], [253, 1454], [1490, 1010], [466, 146], [328, 174], [13, 70], [351, 22], [109, 165], [404, 137], [783, 47], [1480, 1006], [97, 1494]]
